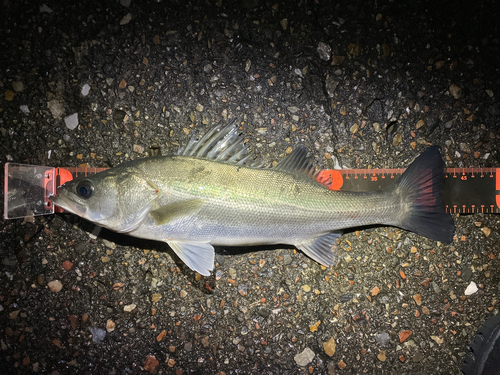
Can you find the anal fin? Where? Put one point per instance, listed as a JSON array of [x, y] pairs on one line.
[[320, 248], [199, 256]]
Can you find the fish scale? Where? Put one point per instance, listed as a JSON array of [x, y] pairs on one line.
[[265, 205]]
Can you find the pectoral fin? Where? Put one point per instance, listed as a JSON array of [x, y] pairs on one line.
[[199, 256], [320, 248], [170, 212]]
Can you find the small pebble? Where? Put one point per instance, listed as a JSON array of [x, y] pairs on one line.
[[151, 364], [55, 286], [403, 335], [126, 19], [110, 325], [464, 147], [109, 244], [486, 231], [98, 334], [85, 89], [18, 86], [205, 341], [455, 91], [9, 95], [71, 121], [437, 339], [471, 289], [324, 51], [242, 289], [232, 273], [420, 123], [353, 49], [382, 338], [304, 358], [330, 347], [284, 23], [67, 265], [73, 320], [129, 308], [161, 336], [398, 138]]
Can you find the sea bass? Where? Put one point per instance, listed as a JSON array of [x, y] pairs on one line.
[[209, 194]]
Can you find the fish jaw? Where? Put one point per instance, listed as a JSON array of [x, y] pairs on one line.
[[71, 205]]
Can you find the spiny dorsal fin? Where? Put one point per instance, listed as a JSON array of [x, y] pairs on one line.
[[298, 163], [222, 143]]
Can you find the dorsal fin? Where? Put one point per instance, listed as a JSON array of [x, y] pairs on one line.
[[298, 163], [222, 143]]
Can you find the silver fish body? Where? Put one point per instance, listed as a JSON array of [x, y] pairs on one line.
[[207, 196]]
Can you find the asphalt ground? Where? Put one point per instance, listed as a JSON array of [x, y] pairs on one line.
[[360, 84]]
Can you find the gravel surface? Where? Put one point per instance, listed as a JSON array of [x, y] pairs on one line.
[[360, 84]]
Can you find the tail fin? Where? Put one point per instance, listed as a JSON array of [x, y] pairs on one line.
[[422, 186]]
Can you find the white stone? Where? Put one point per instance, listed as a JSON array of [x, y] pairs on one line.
[[71, 121], [85, 89], [129, 308], [471, 289], [304, 358]]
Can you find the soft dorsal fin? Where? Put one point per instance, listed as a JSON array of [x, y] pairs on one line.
[[298, 163], [222, 143]]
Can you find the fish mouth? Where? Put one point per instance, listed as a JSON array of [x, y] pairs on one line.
[[69, 205]]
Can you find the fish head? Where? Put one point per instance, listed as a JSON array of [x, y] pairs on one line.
[[118, 199]]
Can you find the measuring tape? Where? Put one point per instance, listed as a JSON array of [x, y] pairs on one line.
[[466, 190]]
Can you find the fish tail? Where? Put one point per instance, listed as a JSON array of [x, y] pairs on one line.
[[420, 188]]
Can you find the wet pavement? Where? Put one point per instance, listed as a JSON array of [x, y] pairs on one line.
[[361, 85]]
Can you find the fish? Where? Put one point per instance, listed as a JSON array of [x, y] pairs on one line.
[[211, 193]]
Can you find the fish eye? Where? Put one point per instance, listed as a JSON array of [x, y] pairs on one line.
[[85, 189]]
